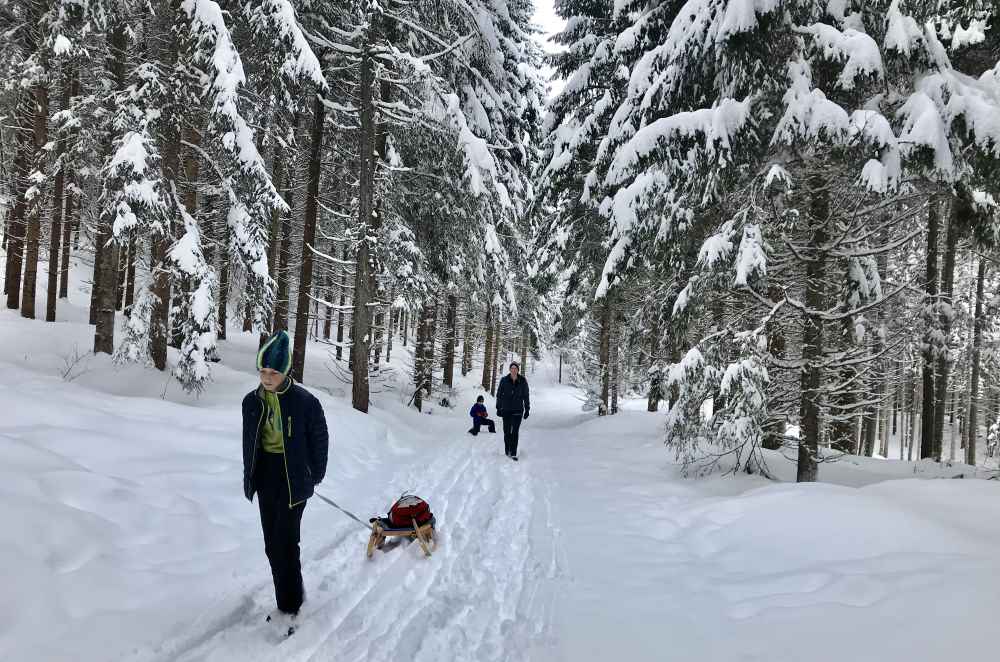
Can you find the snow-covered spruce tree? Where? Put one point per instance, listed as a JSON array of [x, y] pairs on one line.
[[195, 86], [460, 71], [771, 89], [282, 70], [577, 119], [41, 32]]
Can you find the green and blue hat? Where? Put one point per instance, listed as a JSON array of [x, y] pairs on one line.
[[276, 353]]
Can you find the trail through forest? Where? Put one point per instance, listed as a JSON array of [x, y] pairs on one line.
[[133, 541]]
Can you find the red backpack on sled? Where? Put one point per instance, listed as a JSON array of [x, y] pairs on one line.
[[408, 509]]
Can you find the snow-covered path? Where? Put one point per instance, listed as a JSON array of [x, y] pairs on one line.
[[469, 601]]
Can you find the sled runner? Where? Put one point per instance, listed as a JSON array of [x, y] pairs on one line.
[[382, 529], [410, 517]]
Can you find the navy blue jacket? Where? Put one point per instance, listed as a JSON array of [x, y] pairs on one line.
[[512, 397], [307, 441], [478, 411]]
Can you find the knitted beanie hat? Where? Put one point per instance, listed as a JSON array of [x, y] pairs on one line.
[[276, 353]]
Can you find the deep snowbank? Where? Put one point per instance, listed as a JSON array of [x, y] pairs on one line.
[[648, 566]]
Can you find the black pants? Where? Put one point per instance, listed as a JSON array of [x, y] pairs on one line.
[[281, 526], [511, 424], [480, 421]]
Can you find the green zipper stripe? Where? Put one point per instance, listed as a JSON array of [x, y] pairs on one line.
[[285, 437]]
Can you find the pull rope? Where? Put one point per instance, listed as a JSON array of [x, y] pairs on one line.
[[346, 512]]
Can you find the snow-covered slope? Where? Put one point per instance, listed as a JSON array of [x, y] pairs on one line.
[[124, 535]]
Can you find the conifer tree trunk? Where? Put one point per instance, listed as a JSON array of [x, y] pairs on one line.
[[24, 160], [274, 236], [391, 331], [377, 344], [350, 346], [488, 348], [308, 239], [130, 275], [655, 378], [282, 225], [77, 220], [876, 392], [328, 318], [917, 400], [169, 167], [15, 222], [952, 432], [930, 285], [902, 426], [718, 310], [123, 261], [868, 428], [449, 343], [467, 343], [884, 432], [978, 322], [95, 281], [314, 334], [899, 414], [421, 359], [497, 344], [248, 318], [777, 425], [525, 342], [842, 433], [615, 361], [341, 302], [604, 357], [371, 148], [106, 269], [430, 344], [223, 280], [418, 364], [946, 316], [56, 233], [812, 335], [34, 227], [70, 199], [282, 301]]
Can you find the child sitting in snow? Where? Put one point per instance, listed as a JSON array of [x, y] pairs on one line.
[[480, 417]]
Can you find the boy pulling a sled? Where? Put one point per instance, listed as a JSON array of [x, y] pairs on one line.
[[285, 445]]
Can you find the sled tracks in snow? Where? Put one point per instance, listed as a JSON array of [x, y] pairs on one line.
[[473, 600]]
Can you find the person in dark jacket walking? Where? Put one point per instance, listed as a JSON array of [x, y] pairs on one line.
[[285, 447], [512, 405], [480, 417]]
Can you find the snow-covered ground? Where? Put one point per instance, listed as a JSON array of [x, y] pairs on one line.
[[124, 534]]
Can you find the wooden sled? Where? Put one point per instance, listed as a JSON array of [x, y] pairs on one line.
[[382, 529]]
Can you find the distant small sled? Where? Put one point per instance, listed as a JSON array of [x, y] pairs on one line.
[[410, 517]]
